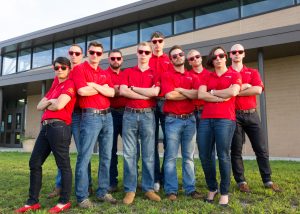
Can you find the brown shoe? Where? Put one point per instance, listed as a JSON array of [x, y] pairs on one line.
[[55, 193], [273, 186], [172, 197], [129, 197], [243, 187], [152, 196], [195, 195]]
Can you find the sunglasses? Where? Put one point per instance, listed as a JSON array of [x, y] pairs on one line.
[[234, 52], [181, 54], [62, 67], [194, 57], [146, 52], [157, 41], [221, 56], [98, 53], [71, 53], [115, 58]]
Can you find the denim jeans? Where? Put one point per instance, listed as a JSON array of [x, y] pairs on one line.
[[219, 133], [250, 123], [76, 118], [94, 127], [179, 132], [56, 138], [143, 125]]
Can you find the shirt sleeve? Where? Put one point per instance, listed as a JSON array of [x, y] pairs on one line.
[[69, 88], [79, 77], [256, 80]]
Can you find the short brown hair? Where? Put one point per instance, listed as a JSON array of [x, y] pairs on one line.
[[173, 48], [95, 44], [211, 54], [157, 34], [144, 44]]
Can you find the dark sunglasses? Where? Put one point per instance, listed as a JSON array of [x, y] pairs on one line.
[[71, 53], [115, 58], [174, 56], [221, 56], [194, 57], [62, 67], [157, 41], [98, 53], [234, 52], [146, 52]]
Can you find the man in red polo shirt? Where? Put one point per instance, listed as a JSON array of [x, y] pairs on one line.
[[140, 86], [95, 88], [247, 120], [180, 125]]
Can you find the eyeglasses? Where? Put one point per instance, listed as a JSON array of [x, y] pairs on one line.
[[115, 58], [98, 53], [194, 57], [146, 52], [221, 56], [71, 53], [234, 52], [157, 41], [62, 67], [174, 56]]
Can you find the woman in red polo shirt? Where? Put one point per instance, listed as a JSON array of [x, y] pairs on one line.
[[217, 124], [55, 137]]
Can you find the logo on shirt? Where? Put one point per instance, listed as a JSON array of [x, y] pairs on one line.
[[71, 90], [228, 77], [150, 75], [189, 78]]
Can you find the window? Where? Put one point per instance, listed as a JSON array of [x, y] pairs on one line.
[[102, 37], [217, 13], [163, 25], [61, 48], [9, 63], [125, 36], [42, 56], [183, 22], [252, 7], [81, 42], [24, 60]]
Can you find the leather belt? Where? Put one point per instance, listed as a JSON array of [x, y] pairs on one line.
[[180, 116], [139, 110], [96, 111], [249, 111], [48, 121]]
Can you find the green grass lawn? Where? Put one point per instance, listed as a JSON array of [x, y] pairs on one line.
[[14, 184]]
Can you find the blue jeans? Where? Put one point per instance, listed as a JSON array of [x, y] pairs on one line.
[[219, 133], [94, 127], [179, 132], [76, 118], [143, 125]]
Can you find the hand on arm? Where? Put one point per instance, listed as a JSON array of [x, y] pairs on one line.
[[249, 91], [59, 103], [175, 95], [43, 104], [127, 92], [87, 91], [148, 92], [232, 91], [103, 89], [206, 96], [188, 93]]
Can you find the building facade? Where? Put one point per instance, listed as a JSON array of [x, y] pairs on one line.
[[268, 29]]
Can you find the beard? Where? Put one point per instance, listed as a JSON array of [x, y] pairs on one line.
[[179, 64], [115, 66]]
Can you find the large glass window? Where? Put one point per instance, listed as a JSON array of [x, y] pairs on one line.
[[102, 37], [252, 7], [217, 13], [9, 63], [125, 36], [81, 42], [24, 60], [183, 21], [163, 25], [42, 56], [61, 48]]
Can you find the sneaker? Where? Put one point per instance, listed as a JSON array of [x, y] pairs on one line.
[[156, 187], [243, 187], [172, 197], [55, 193], [113, 189], [86, 203], [28, 208], [129, 197], [107, 198], [273, 186], [195, 195], [152, 196]]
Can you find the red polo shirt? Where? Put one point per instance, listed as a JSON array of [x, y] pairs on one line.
[[84, 73], [252, 77], [171, 80], [146, 79], [224, 110], [67, 87], [116, 78], [198, 77]]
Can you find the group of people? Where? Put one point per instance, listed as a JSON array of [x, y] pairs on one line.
[[96, 105]]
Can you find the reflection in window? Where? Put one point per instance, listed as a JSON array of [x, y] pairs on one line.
[[81, 42], [9, 63], [163, 25], [125, 36], [18, 121], [183, 22], [102, 37], [217, 13], [252, 7], [61, 48], [42, 56], [24, 60]]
